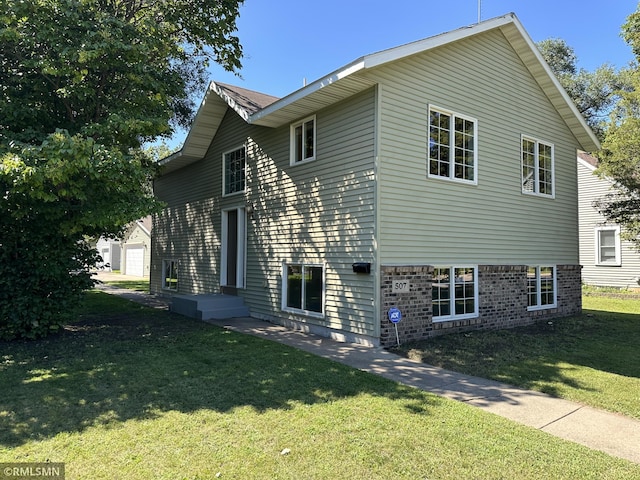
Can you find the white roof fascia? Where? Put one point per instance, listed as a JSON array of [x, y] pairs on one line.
[[213, 88], [173, 156], [396, 53], [565, 96], [308, 90], [393, 54], [606, 178], [379, 58], [199, 112], [230, 101], [143, 228], [586, 164]]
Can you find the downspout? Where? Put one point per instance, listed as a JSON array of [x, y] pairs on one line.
[[376, 214]]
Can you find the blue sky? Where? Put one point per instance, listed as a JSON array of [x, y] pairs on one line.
[[287, 41]]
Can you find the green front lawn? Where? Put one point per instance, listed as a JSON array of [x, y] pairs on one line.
[[593, 358], [137, 285], [134, 393]]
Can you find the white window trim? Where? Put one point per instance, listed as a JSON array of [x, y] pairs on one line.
[[539, 290], [224, 171], [164, 278], [307, 313], [241, 236], [618, 246], [292, 140], [451, 177], [536, 192], [452, 300]]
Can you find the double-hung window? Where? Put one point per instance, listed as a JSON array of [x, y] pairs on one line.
[[537, 167], [303, 288], [234, 170], [454, 293], [541, 287], [170, 275], [608, 246], [453, 151], [303, 140]]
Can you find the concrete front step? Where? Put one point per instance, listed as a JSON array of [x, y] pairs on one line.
[[210, 306]]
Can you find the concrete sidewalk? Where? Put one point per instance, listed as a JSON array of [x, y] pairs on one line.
[[610, 433]]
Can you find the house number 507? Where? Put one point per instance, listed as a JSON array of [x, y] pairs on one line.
[[400, 286]]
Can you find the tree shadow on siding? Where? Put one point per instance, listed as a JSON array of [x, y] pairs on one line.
[[322, 212]]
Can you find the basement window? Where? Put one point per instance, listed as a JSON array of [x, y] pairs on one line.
[[303, 288], [170, 275]]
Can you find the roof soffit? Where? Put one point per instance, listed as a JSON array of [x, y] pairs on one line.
[[532, 59], [349, 80], [203, 129]]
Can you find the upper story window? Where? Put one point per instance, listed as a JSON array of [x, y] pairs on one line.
[[452, 146], [608, 246], [303, 140], [234, 169], [537, 167]]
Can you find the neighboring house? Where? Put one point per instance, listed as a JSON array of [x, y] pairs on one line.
[[109, 250], [437, 178], [136, 248], [606, 259]]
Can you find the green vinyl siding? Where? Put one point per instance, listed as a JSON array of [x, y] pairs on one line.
[[367, 197], [185, 233], [436, 221], [320, 212]]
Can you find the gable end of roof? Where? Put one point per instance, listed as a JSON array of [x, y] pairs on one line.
[[264, 110]]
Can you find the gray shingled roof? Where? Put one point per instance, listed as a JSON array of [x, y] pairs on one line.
[[247, 100], [591, 160]]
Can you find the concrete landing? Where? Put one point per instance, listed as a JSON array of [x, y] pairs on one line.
[[209, 306]]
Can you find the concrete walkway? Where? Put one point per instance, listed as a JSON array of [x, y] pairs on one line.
[[610, 433]]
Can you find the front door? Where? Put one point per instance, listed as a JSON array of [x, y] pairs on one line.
[[232, 257]]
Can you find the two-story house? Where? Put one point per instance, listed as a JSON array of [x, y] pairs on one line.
[[437, 179]]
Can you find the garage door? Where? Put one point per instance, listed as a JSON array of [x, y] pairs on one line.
[[135, 261]]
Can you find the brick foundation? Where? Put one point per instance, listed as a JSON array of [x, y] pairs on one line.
[[502, 292], [415, 305]]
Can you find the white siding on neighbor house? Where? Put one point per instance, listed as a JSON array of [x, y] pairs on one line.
[[316, 212], [592, 188], [109, 250], [434, 221]]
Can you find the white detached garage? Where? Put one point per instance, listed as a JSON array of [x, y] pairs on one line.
[[134, 260], [136, 249]]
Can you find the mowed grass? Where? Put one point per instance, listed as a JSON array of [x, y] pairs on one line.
[[593, 358], [136, 285], [134, 393]]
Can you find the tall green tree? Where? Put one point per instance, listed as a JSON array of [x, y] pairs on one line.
[[83, 84], [620, 154], [594, 93]]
